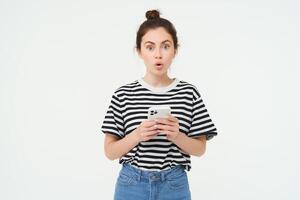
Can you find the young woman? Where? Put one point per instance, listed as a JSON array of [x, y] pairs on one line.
[[155, 154]]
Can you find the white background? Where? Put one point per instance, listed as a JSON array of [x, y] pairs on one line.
[[60, 62]]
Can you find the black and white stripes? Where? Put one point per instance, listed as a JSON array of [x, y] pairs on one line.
[[129, 106]]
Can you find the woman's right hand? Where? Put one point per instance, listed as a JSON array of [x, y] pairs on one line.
[[146, 130]]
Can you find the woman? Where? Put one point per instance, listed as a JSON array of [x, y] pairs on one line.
[[155, 154]]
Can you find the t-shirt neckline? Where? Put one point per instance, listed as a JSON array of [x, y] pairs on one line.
[[159, 90]]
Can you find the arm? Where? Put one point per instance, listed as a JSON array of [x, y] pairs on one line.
[[115, 148], [191, 146]]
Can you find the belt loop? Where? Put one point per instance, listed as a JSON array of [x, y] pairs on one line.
[[139, 174], [162, 176]]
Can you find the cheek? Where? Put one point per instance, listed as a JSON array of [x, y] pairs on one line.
[[170, 55], [146, 58], [170, 58]]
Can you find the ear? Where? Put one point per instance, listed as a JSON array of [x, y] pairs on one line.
[[139, 52], [175, 53]]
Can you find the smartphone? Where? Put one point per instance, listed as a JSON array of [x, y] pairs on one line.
[[158, 112]]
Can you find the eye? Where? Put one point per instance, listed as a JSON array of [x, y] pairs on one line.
[[166, 46], [149, 47]]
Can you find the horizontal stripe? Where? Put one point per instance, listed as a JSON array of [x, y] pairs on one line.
[[129, 108]]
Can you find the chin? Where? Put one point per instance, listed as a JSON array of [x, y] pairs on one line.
[[159, 73]]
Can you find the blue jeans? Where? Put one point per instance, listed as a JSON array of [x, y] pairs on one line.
[[136, 184]]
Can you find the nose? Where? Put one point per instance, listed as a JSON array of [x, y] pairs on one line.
[[158, 54]]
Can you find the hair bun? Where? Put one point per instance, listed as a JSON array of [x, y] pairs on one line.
[[152, 14]]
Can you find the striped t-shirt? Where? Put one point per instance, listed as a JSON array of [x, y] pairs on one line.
[[129, 107]]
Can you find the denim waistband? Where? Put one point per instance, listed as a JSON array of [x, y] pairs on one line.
[[153, 175]]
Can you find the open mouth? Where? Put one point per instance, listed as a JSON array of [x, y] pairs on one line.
[[159, 66]]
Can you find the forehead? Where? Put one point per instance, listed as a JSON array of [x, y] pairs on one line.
[[157, 35]]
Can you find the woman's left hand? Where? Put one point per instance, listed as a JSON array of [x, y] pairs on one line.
[[169, 126]]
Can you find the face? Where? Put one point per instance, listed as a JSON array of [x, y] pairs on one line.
[[157, 51]]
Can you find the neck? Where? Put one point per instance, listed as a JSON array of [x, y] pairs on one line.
[[157, 81]]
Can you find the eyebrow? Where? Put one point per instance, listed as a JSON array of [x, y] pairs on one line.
[[154, 43]]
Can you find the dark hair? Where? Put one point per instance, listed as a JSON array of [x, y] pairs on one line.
[[155, 21]]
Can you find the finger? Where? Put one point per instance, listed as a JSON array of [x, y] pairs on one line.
[[172, 118], [149, 123], [171, 126], [164, 121], [164, 127], [169, 133], [151, 128], [149, 133], [149, 138], [153, 136]]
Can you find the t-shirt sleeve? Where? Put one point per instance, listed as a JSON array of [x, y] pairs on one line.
[[113, 122], [201, 121]]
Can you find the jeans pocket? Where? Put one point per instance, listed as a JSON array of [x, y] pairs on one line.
[[178, 182], [127, 179]]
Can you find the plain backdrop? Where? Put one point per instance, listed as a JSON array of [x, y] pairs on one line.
[[60, 62]]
